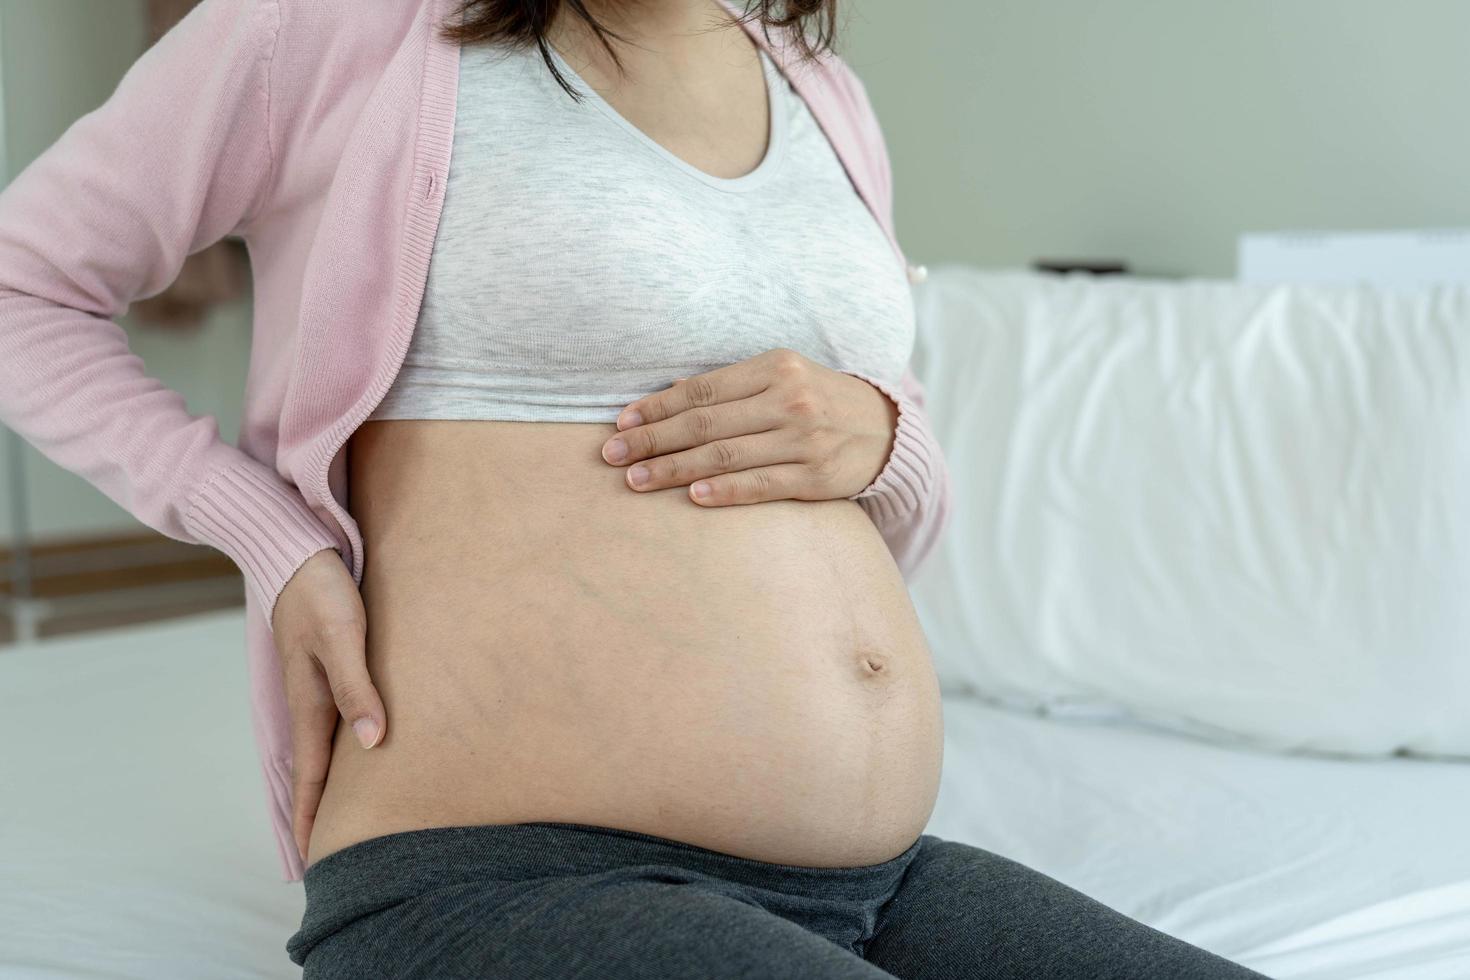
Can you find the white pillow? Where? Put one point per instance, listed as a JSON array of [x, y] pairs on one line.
[[1240, 511]]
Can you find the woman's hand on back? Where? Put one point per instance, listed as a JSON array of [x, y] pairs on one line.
[[321, 634]]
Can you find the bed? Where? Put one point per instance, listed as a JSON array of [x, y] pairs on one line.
[[134, 843]]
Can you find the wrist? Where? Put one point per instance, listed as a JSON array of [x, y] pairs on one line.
[[881, 429]]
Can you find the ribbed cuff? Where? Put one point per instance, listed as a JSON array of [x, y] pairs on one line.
[[907, 477], [262, 522]]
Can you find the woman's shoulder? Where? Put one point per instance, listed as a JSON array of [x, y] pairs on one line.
[[315, 38], [837, 95], [827, 78], [328, 60], [347, 21]]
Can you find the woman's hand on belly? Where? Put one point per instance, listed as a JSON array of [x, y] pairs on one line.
[[772, 427], [320, 630]]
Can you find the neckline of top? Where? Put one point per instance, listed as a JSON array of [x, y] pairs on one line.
[[776, 116]]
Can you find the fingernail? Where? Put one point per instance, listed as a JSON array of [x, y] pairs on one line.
[[367, 731], [630, 418], [615, 451], [677, 380], [701, 490], [638, 475]]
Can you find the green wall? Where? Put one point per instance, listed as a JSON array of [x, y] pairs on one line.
[[1157, 130]]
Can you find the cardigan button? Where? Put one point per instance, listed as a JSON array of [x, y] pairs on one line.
[[917, 274]]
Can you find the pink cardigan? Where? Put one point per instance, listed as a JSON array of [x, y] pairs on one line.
[[320, 134]]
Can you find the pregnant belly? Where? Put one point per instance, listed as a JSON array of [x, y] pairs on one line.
[[552, 645]]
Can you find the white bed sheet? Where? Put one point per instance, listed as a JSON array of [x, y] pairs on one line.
[[134, 840], [134, 843], [1300, 867]]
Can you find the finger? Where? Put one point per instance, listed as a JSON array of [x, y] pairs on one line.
[[313, 724], [330, 682], [712, 458], [780, 482], [695, 427], [343, 655], [739, 380]]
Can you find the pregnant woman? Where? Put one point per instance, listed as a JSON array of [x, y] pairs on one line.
[[584, 323]]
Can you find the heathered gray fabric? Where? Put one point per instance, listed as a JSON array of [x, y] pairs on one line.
[[565, 901], [579, 265]]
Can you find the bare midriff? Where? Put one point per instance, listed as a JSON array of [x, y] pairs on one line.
[[551, 645]]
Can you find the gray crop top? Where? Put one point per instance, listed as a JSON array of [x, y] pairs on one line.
[[579, 265]]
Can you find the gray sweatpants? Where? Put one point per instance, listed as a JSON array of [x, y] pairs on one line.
[[547, 901]]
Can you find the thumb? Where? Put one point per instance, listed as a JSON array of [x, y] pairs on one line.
[[326, 680], [343, 657]]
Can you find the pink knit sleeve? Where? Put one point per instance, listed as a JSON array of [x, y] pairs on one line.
[[909, 500], [178, 157]]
